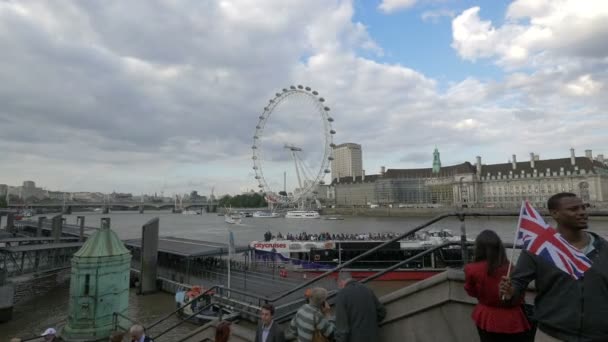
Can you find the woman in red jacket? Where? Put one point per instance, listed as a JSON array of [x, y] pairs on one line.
[[495, 319]]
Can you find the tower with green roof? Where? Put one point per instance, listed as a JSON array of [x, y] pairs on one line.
[[436, 161], [99, 286]]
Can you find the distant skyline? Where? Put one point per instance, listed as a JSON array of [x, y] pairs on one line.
[[93, 100]]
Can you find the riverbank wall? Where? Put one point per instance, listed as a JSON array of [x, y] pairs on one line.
[[431, 212]]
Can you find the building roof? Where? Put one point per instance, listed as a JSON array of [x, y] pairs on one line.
[[46, 246], [446, 171], [353, 145], [554, 165], [188, 247], [103, 243], [35, 239]]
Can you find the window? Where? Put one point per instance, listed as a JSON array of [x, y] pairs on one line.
[[87, 281]]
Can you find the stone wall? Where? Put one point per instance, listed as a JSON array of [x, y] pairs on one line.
[[30, 287]]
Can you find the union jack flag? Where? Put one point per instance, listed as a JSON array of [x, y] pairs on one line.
[[536, 236]]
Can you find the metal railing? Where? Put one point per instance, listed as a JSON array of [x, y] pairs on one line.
[[294, 305], [264, 299]]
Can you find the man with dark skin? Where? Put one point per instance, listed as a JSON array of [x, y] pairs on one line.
[[566, 309]]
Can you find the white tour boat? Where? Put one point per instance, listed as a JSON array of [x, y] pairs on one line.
[[265, 214], [302, 214]]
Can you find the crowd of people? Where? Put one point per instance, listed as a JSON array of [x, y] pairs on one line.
[[356, 317], [326, 236]]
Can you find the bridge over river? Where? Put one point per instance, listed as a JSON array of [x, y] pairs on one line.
[[106, 206]]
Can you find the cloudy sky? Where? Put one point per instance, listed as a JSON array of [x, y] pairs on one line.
[[151, 96]]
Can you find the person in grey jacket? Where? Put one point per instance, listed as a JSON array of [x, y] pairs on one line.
[[566, 309], [358, 312], [268, 330]]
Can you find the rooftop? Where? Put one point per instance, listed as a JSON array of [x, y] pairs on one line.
[[555, 165], [188, 247]]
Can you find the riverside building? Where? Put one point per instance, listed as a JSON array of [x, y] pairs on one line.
[[348, 161], [502, 185]]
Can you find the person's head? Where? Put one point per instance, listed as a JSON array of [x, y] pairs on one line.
[[49, 334], [137, 331], [489, 247], [343, 279], [568, 210], [318, 296], [222, 332], [267, 313]]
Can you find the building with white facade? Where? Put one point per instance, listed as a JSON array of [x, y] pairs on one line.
[[347, 162], [478, 185], [506, 185]]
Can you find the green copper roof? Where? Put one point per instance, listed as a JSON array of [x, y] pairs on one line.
[[103, 243]]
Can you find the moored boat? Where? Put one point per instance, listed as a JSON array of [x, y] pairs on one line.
[[319, 254], [211, 312]]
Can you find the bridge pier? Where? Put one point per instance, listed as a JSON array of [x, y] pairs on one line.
[[57, 224], [141, 209], [67, 210], [149, 257], [10, 222], [80, 222], [7, 295], [105, 210], [41, 220]]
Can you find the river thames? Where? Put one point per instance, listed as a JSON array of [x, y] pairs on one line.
[[32, 317]]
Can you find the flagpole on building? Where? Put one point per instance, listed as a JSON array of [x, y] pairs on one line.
[[515, 239]]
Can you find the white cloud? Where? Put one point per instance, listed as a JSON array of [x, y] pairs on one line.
[[435, 15], [93, 100], [535, 30], [391, 6], [584, 86]]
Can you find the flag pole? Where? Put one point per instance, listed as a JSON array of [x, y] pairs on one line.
[[515, 239]]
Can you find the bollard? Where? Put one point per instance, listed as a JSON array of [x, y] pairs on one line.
[[80, 221], [149, 257], [41, 220]]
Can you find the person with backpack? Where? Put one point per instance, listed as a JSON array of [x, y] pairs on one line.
[[312, 321]]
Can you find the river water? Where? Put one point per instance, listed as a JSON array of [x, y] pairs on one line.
[[34, 316]]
